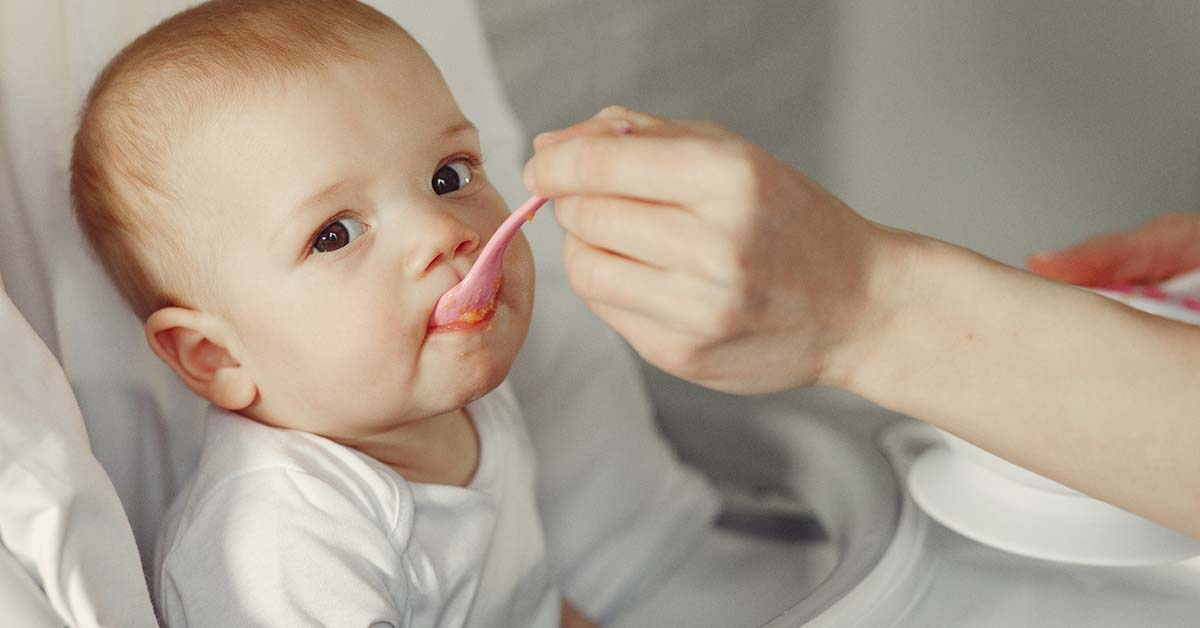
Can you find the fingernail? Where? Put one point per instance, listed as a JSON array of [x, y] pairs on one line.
[[527, 175], [541, 138]]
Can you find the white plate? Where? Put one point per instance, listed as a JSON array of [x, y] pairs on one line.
[[1010, 516], [1177, 298]]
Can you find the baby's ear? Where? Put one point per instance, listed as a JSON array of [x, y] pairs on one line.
[[198, 346]]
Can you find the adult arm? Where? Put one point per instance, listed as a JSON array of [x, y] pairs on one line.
[[724, 266]]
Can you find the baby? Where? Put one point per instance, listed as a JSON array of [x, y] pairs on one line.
[[282, 189]]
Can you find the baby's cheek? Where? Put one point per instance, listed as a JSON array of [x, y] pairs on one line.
[[385, 348], [521, 277]]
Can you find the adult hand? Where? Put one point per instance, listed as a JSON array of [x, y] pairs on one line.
[[1166, 246], [724, 266], [716, 261]]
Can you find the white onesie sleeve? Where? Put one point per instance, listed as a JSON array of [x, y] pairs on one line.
[[281, 547]]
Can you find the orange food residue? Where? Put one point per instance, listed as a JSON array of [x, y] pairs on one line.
[[476, 314]]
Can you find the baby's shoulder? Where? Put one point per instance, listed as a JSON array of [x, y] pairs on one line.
[[272, 515], [254, 477]]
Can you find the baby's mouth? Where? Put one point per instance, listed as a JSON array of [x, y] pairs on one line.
[[473, 315]]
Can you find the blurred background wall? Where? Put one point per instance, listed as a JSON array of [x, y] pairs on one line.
[[1007, 127]]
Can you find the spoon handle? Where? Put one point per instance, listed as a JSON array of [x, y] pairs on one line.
[[499, 242]]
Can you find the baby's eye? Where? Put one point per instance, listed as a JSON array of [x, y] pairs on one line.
[[452, 177], [338, 234]]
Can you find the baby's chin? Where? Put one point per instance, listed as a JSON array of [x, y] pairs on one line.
[[470, 384], [468, 367], [422, 405]]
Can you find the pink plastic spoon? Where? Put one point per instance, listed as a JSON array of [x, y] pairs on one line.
[[474, 298]]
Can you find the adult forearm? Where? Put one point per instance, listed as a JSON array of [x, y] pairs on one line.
[[1064, 382]]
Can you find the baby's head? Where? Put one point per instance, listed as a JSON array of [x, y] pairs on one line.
[[282, 189]]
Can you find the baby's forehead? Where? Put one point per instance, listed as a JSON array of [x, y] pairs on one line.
[[192, 94], [279, 143], [216, 107]]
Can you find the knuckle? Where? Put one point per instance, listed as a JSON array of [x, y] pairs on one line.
[[744, 170], [650, 346], [614, 111], [714, 128], [731, 261], [742, 300], [684, 359], [701, 365], [734, 159], [752, 306], [721, 322], [661, 356], [728, 316], [739, 261]]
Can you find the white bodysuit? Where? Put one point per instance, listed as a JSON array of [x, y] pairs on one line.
[[285, 528]]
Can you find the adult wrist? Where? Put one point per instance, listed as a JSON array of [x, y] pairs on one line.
[[902, 276]]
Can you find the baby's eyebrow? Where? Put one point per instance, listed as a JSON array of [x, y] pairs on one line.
[[325, 194], [459, 127], [331, 190], [321, 196]]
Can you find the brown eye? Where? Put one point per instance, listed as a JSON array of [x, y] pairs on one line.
[[336, 235], [451, 177]]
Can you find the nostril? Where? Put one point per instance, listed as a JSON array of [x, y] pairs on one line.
[[465, 246], [433, 262]]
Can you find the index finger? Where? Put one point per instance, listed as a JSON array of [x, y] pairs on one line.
[[612, 119], [682, 169]]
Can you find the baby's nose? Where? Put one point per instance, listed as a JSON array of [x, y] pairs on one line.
[[442, 242]]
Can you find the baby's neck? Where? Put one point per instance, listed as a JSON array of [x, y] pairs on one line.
[[442, 449]]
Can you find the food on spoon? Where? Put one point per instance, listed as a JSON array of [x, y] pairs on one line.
[[475, 314]]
